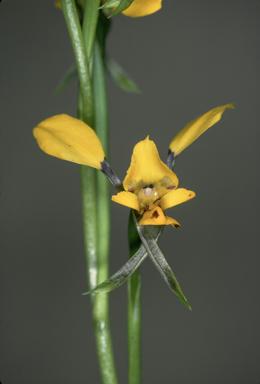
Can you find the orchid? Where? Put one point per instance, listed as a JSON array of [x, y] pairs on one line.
[[149, 188]]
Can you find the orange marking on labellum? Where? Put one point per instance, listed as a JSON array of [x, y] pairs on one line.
[[155, 215]]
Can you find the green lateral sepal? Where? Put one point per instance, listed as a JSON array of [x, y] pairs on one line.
[[128, 268], [159, 260]]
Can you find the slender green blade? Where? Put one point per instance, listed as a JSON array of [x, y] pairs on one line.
[[160, 262], [70, 75], [122, 274], [129, 267], [120, 77]]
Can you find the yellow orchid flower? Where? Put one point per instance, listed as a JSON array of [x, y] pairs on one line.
[[150, 186]]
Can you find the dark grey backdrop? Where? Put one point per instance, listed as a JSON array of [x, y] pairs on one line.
[[188, 58]]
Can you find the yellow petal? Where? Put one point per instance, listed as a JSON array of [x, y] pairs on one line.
[[147, 169], [128, 199], [143, 7], [70, 139], [195, 128], [173, 222], [176, 197], [153, 217], [157, 217]]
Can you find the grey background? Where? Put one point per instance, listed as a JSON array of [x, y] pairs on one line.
[[188, 58]]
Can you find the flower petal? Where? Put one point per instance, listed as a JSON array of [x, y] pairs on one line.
[[157, 217], [173, 222], [195, 128], [176, 197], [153, 217], [143, 7], [148, 169], [128, 199], [70, 139]]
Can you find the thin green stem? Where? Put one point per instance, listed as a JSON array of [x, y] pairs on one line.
[[93, 203], [89, 25], [134, 311], [106, 359], [76, 36], [90, 224]]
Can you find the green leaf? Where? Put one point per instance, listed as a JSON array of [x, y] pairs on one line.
[[128, 268], [160, 262], [119, 76], [70, 75], [124, 4]]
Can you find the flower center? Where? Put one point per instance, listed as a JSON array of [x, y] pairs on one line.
[[147, 196]]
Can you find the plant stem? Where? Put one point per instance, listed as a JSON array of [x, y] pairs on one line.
[[134, 311], [97, 251], [89, 25], [107, 365], [74, 28]]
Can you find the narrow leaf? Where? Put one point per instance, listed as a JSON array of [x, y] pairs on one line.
[[120, 77], [160, 262], [70, 75]]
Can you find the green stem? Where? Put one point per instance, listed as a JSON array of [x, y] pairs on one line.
[[75, 32], [96, 253], [90, 225], [106, 359], [90, 19], [134, 311]]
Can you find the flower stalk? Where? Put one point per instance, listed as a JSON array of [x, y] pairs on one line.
[[134, 310], [93, 98]]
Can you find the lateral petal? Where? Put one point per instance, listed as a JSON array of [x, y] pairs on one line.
[[195, 128], [128, 199], [175, 197], [70, 139], [173, 222]]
